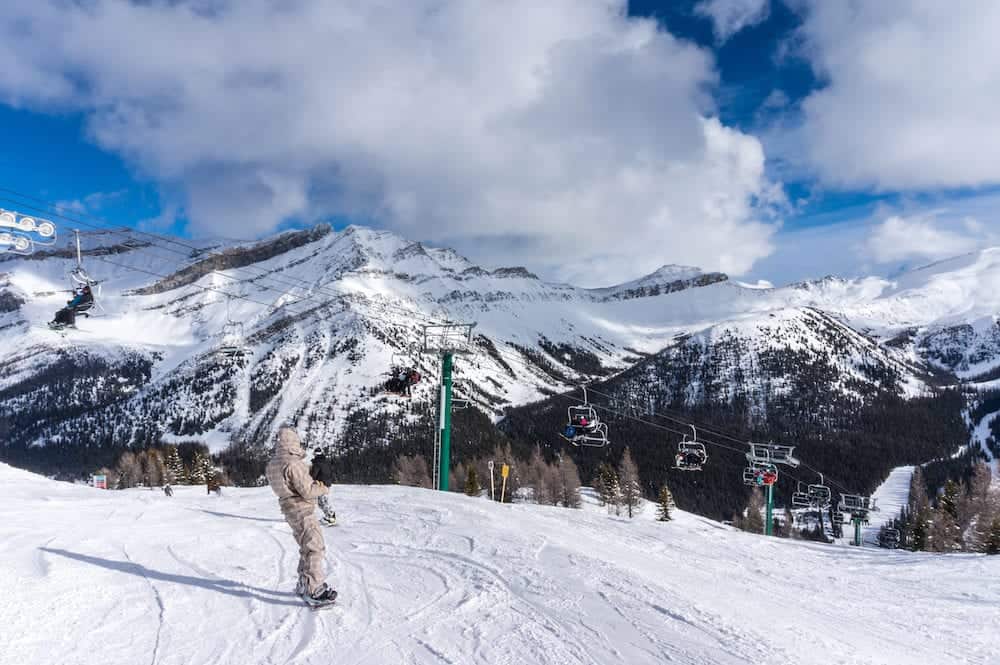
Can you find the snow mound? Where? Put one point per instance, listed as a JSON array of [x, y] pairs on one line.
[[426, 577]]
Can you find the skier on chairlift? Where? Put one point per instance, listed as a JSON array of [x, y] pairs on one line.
[[402, 381], [690, 459], [83, 300]]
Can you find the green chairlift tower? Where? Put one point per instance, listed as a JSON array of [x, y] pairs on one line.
[[446, 340]]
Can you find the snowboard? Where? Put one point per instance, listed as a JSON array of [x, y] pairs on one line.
[[314, 605]]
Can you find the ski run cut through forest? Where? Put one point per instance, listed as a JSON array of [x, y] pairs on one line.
[[430, 577]]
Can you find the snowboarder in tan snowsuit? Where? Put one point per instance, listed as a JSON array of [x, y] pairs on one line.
[[288, 475]]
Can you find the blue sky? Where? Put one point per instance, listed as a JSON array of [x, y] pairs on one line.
[[147, 144]]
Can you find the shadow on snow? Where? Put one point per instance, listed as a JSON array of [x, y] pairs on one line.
[[228, 587]]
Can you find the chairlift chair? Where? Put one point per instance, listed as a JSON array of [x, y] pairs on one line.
[[783, 455], [458, 399], [820, 494], [771, 453], [81, 278], [401, 379], [583, 427], [759, 453], [232, 345], [760, 474], [691, 455], [853, 502], [801, 499], [889, 538]]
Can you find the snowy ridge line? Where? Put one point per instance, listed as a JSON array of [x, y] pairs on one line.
[[50, 210], [649, 423], [300, 299]]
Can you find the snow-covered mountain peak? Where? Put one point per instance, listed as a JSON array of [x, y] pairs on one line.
[[665, 279], [668, 273], [325, 313]]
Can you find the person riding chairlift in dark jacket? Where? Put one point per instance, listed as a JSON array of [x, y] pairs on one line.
[[82, 301]]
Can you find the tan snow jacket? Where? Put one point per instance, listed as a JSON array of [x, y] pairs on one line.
[[288, 474]]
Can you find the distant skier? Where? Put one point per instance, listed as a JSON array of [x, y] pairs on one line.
[[83, 300], [322, 470], [297, 492], [168, 490]]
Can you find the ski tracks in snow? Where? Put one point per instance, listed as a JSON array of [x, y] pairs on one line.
[[429, 578], [159, 604]]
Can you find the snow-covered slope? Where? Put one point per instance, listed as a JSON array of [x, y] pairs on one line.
[[425, 577], [891, 497]]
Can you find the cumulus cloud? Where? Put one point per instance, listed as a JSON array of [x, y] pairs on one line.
[[730, 16], [910, 93], [924, 237], [560, 134]]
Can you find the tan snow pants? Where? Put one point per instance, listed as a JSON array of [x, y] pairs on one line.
[[301, 516]]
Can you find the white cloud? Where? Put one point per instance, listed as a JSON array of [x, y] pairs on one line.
[[560, 134], [730, 16], [911, 93], [924, 237], [90, 203]]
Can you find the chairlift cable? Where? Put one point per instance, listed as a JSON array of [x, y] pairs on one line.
[[741, 451]]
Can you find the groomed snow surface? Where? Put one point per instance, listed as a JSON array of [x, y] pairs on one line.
[[134, 577]]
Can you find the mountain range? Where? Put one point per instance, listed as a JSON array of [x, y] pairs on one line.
[[320, 316]]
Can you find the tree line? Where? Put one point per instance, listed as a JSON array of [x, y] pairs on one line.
[[964, 516], [182, 464]]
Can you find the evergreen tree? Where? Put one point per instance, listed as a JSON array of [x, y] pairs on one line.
[[919, 536], [175, 467], [614, 493], [197, 475], [992, 544], [950, 498], [210, 473], [605, 481], [472, 482], [944, 534], [665, 504], [628, 478], [919, 513]]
